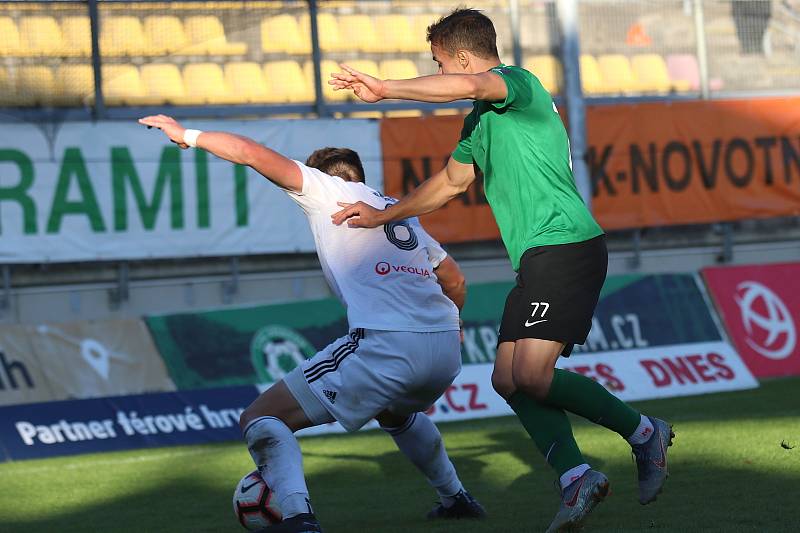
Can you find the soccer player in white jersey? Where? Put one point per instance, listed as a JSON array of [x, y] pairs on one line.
[[402, 293]]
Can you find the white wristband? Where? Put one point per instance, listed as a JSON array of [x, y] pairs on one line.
[[190, 137]]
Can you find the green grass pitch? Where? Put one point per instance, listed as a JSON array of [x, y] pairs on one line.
[[729, 472]]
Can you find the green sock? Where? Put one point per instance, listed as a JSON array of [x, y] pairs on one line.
[[550, 429], [585, 397]]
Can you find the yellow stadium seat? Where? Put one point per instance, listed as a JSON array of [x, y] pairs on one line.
[[283, 33], [421, 23], [164, 83], [548, 69], [287, 83], [123, 36], [330, 37], [395, 34], [207, 36], [206, 81], [165, 35], [37, 82], [651, 73], [10, 44], [74, 85], [77, 35], [326, 67], [122, 85], [617, 74], [361, 33], [246, 81], [398, 69], [41, 36], [591, 78]]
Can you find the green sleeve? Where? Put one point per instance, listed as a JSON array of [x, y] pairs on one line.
[[519, 83], [463, 151]]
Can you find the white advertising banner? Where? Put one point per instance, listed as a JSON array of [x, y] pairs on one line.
[[85, 191], [648, 374]]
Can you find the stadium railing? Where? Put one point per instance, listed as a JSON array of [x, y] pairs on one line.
[[112, 59]]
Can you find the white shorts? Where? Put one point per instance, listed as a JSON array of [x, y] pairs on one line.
[[360, 375]]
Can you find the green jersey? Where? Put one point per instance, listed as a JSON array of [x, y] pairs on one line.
[[522, 148]]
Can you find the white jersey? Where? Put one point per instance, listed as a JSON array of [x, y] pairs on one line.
[[384, 276]]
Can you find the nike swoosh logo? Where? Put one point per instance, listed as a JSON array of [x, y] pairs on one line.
[[574, 499], [529, 324], [245, 488]]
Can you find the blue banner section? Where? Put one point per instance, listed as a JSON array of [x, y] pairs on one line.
[[122, 422]]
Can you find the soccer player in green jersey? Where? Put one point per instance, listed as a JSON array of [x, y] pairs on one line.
[[515, 136]]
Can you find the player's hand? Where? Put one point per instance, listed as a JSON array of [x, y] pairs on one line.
[[364, 86], [358, 215], [169, 126]]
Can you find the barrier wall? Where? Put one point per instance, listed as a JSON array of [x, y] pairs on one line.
[[111, 190]]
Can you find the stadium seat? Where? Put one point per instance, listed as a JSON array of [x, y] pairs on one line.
[[205, 81], [396, 34], [651, 73], [165, 35], [164, 84], [41, 36], [207, 36], [617, 74], [7, 89], [398, 69], [683, 69], [36, 82], [330, 37], [591, 78], [122, 36], [548, 69], [421, 23], [287, 83], [122, 85], [326, 67], [10, 44], [77, 35], [74, 85], [360, 33], [246, 81], [283, 34]]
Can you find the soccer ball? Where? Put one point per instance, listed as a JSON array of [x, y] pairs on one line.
[[254, 504]]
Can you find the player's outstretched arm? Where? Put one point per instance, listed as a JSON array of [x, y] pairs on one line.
[[437, 88], [234, 148], [452, 281], [443, 186]]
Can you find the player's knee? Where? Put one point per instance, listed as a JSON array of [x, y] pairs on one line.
[[536, 384], [503, 384]]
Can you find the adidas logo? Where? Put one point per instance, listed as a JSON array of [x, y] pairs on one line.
[[330, 395]]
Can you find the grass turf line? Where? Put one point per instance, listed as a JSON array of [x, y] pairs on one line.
[[728, 473]]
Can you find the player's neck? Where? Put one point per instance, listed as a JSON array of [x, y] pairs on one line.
[[478, 65]]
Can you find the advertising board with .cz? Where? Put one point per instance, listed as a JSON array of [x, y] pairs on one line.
[[760, 306]]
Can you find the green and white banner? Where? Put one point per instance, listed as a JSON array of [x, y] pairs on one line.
[[114, 190]]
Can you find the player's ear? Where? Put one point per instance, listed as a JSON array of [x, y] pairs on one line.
[[463, 59]]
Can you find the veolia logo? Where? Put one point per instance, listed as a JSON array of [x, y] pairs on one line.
[[770, 328]]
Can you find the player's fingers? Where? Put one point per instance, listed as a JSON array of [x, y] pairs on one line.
[[344, 214], [343, 204]]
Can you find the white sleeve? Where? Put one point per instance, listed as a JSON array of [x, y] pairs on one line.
[[436, 253], [318, 189]]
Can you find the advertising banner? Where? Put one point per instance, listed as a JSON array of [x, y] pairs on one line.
[[651, 164], [760, 306], [120, 423], [79, 360], [261, 344], [114, 190]]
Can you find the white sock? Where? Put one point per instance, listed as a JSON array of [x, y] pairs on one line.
[[275, 451], [421, 442], [643, 432], [571, 475]]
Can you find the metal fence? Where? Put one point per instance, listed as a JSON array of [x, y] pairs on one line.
[[113, 59]]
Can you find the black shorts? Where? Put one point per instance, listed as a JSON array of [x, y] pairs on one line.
[[556, 292]]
